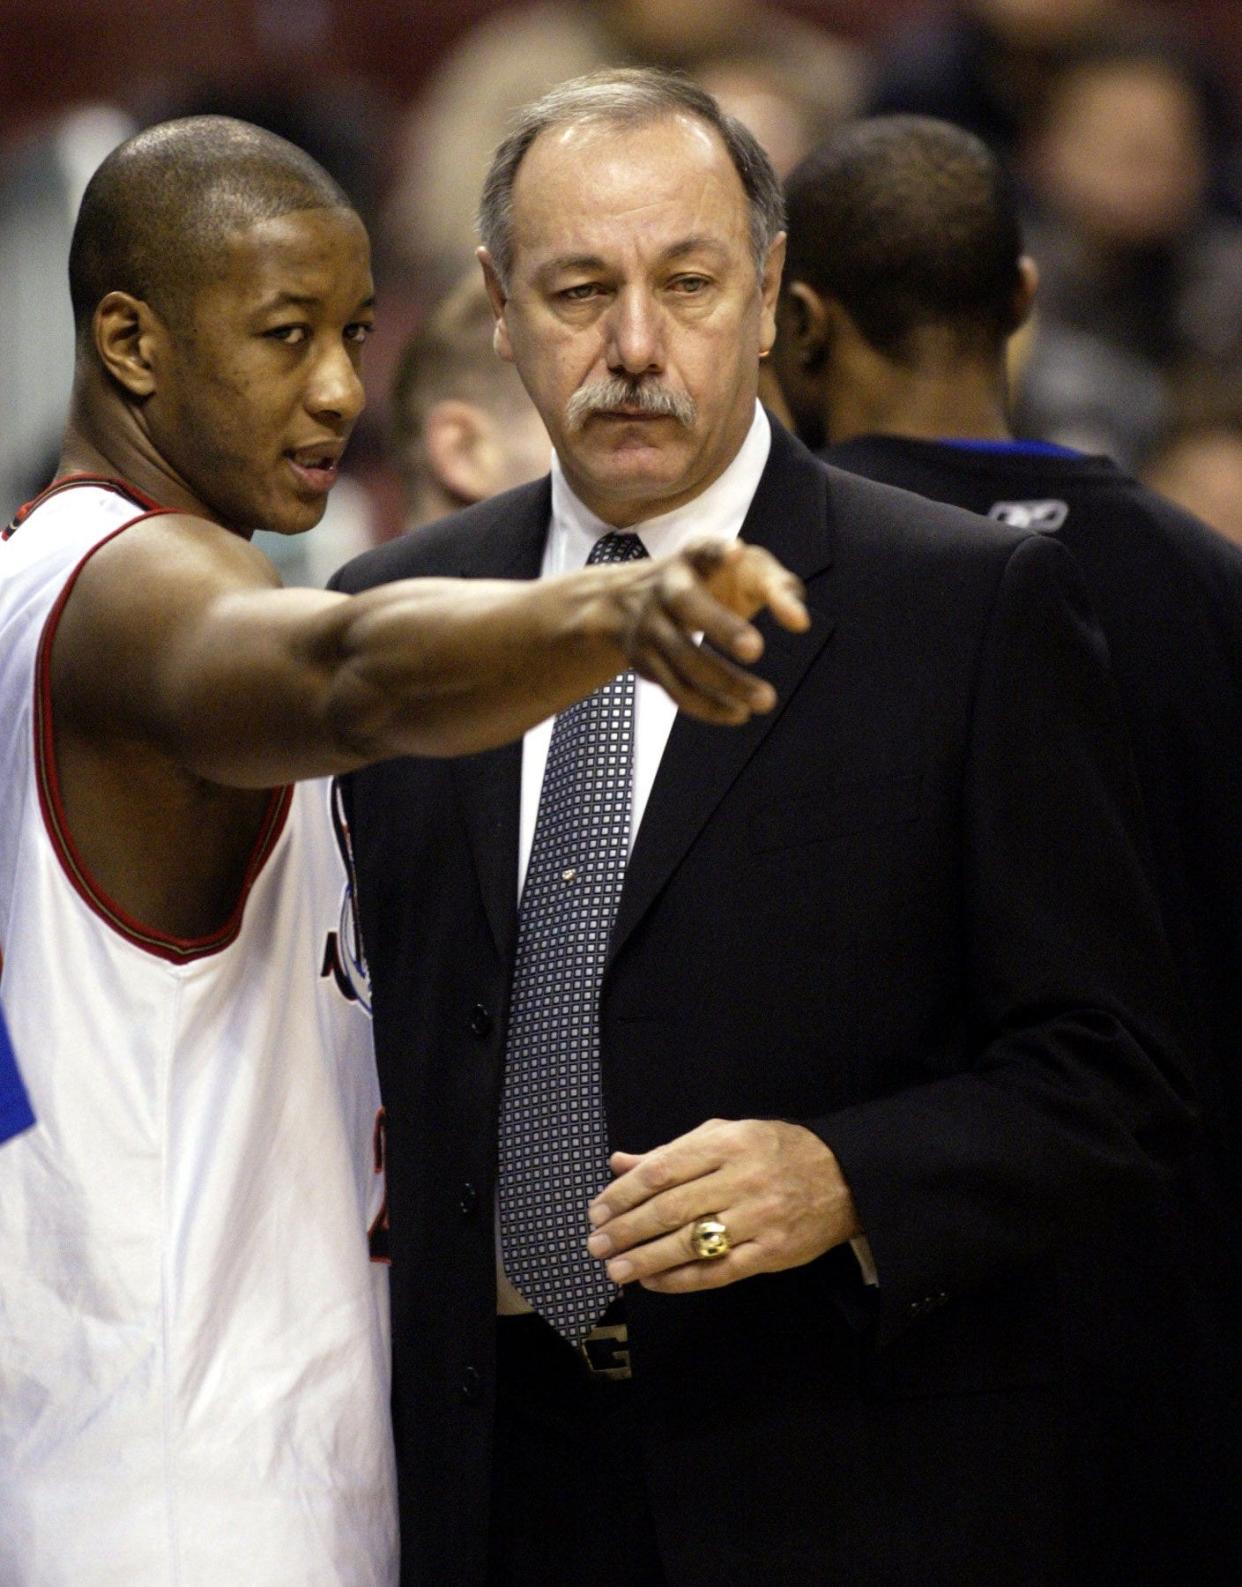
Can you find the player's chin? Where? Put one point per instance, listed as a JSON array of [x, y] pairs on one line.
[[294, 516]]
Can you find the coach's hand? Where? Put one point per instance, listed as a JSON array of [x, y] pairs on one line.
[[776, 1187]]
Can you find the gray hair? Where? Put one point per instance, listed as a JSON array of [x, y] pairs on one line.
[[627, 97]]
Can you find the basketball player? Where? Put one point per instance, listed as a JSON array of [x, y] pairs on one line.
[[906, 279], [194, 1376]]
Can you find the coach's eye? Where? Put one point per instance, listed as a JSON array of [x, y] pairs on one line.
[[358, 331], [579, 293]]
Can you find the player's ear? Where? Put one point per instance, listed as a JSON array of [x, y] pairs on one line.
[[460, 448], [1024, 292], [499, 300], [803, 321], [127, 332]]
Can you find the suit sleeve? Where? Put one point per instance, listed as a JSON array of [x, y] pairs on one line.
[[1075, 1096]]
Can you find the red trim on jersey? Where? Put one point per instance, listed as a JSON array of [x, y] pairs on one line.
[[81, 477], [160, 943]]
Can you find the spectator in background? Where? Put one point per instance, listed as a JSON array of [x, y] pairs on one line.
[[1198, 465], [787, 102], [793, 77], [905, 278], [41, 184], [463, 427], [1142, 284], [985, 64]]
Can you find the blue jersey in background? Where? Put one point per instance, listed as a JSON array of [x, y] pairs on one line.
[[15, 1114]]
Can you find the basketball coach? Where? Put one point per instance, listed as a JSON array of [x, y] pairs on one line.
[[745, 1091]]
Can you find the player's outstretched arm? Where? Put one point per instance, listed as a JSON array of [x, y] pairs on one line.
[[179, 634]]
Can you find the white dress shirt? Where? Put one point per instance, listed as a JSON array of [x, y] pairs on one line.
[[574, 529]]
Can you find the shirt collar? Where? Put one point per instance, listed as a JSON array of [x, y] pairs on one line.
[[719, 510]]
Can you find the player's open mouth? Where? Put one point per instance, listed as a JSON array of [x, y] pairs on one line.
[[316, 467]]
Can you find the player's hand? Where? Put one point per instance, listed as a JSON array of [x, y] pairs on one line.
[[775, 1186], [711, 588]]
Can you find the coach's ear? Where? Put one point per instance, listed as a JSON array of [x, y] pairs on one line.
[[127, 335], [769, 292], [499, 301]]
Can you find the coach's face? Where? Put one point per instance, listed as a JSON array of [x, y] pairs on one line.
[[633, 309]]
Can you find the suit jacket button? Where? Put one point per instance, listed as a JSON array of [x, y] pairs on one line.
[[481, 1021], [471, 1385], [469, 1199]]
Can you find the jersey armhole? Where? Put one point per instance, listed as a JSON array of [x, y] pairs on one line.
[[164, 945]]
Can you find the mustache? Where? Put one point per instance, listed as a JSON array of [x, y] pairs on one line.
[[641, 393]]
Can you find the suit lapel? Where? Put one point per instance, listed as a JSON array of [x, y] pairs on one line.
[[489, 785], [790, 516]]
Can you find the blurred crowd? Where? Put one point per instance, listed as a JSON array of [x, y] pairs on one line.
[[1117, 123]]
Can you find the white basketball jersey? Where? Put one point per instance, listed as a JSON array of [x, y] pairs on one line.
[[193, 1334]]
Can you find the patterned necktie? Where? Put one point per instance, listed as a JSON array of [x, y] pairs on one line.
[[553, 1135]]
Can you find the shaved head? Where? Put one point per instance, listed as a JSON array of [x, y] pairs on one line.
[[157, 211], [907, 222]]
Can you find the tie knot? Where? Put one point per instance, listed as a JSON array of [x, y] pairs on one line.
[[617, 547]]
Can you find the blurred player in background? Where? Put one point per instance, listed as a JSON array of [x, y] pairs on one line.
[[463, 427], [906, 279]]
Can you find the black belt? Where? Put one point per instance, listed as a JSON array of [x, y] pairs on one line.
[[604, 1352], [606, 1349]]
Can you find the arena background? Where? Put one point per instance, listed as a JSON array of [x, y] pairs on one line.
[[346, 78]]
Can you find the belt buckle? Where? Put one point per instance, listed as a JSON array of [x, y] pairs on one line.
[[605, 1351]]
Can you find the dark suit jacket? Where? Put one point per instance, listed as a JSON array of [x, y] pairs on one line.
[[904, 909]]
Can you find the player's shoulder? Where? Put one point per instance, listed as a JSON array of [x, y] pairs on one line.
[[1128, 520], [879, 523], [473, 542], [133, 592], [1178, 527], [160, 552], [883, 519]]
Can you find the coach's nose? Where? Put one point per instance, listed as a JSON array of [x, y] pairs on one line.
[[634, 333]]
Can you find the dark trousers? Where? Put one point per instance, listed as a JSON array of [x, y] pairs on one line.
[[569, 1501]]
